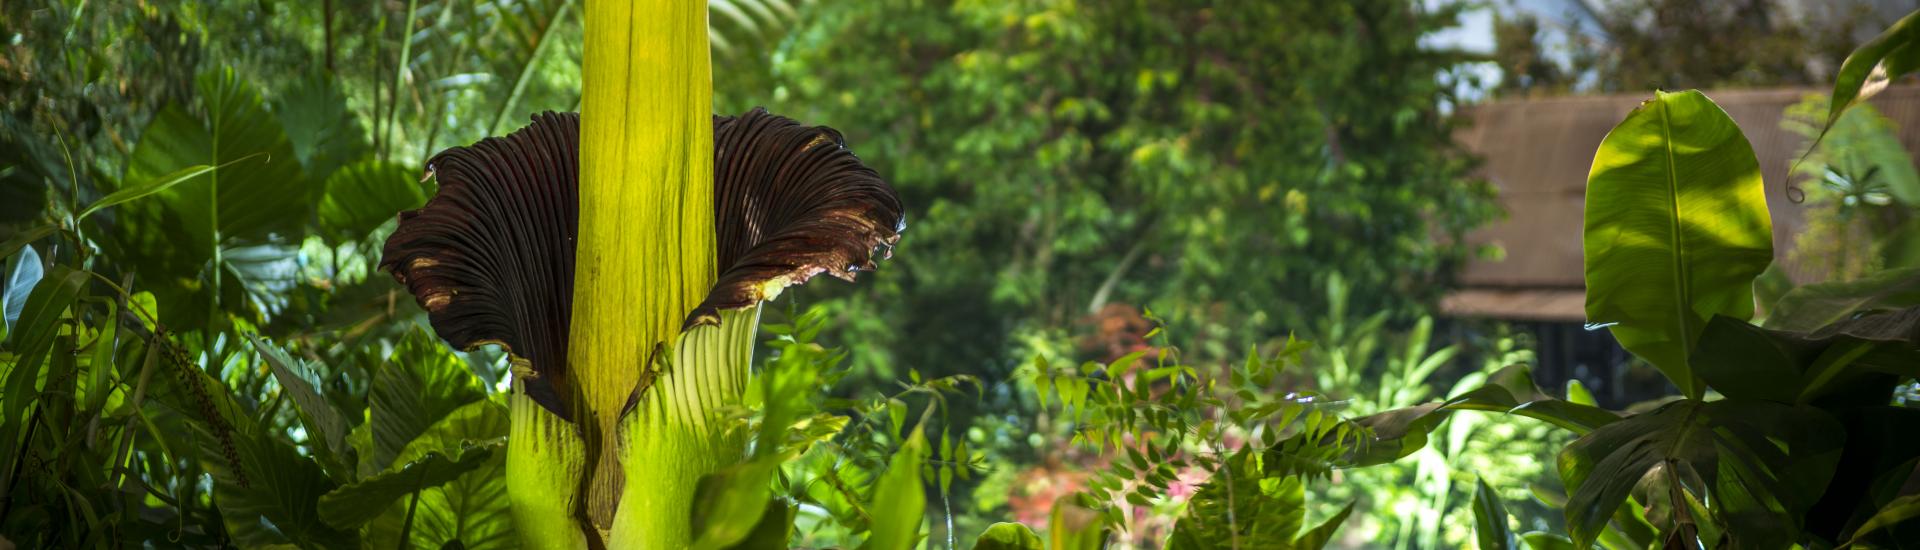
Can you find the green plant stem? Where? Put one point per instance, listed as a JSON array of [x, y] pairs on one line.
[[645, 254], [677, 433]]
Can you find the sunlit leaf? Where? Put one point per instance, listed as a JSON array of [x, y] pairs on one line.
[[33, 336], [1008, 536], [1870, 67], [728, 504], [1512, 390], [899, 499], [23, 271], [316, 412], [1676, 229], [1490, 519]]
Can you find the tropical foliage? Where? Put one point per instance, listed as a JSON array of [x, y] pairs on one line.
[[291, 275]]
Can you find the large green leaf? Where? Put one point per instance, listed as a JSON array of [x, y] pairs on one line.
[[1855, 361], [325, 134], [1318, 537], [1392, 435], [1511, 390], [1807, 308], [1762, 463], [773, 531], [899, 499], [1867, 70], [1009, 536], [728, 504], [1074, 524], [365, 194], [1901, 510], [1676, 229], [247, 202], [418, 386], [357, 503], [267, 493], [33, 336], [1490, 528], [179, 237], [319, 416], [1542, 540], [473, 508]]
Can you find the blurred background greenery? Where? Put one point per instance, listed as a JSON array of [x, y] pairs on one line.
[[1249, 171]]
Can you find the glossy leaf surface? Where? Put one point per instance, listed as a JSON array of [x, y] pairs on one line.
[[1676, 229]]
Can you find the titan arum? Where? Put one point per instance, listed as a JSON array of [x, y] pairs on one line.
[[620, 257]]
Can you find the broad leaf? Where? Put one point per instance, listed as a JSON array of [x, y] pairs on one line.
[[181, 233], [899, 500], [1394, 434], [244, 203], [1320, 535], [33, 336], [773, 531], [471, 510], [1807, 308], [1075, 525], [357, 503], [1858, 360], [418, 386], [1870, 67], [1676, 229], [325, 134], [1763, 463], [728, 504], [1542, 540], [319, 416], [1490, 519], [1901, 510], [266, 491], [361, 196], [1009, 536], [1511, 390]]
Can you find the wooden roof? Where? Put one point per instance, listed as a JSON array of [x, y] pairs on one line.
[[1537, 152]]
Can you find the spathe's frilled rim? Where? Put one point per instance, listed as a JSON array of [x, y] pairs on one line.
[[491, 256], [791, 202]]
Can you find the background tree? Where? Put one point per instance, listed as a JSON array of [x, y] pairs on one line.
[[1639, 45], [1214, 162]]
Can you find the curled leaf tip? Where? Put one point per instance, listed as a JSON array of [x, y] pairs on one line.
[[791, 202]]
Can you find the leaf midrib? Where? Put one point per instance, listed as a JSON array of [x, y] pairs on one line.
[[1682, 293]]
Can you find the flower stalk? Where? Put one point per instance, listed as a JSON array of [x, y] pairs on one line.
[[646, 253]]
